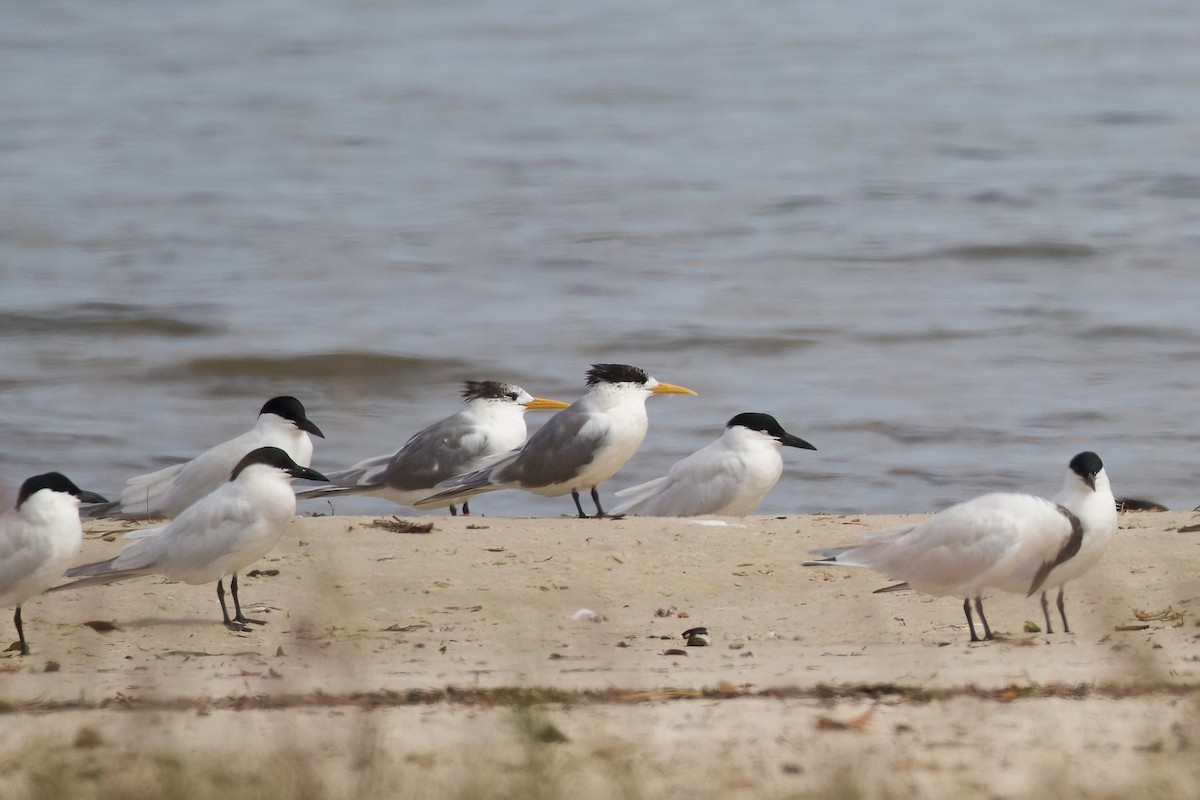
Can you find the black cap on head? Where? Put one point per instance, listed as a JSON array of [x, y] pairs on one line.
[[757, 422], [489, 390], [616, 373], [770, 426], [292, 409], [55, 482], [275, 457], [1087, 465]]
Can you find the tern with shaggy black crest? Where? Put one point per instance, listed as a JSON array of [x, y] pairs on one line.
[[491, 423], [579, 448]]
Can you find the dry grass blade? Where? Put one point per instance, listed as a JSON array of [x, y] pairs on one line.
[[1168, 614], [397, 525], [853, 724]]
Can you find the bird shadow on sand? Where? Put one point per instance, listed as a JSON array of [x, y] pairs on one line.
[[202, 623]]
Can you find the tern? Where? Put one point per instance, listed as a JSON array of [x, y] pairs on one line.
[[580, 447], [39, 538], [729, 477], [491, 423], [216, 536], [1012, 542], [1087, 493], [281, 423]]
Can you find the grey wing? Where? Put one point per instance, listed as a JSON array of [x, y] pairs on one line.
[[556, 453], [464, 485], [441, 451]]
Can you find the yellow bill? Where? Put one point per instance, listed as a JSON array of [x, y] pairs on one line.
[[543, 404], [670, 388]]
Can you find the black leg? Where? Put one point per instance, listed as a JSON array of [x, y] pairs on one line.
[[466, 509], [596, 499], [1062, 610], [233, 626], [21, 632], [453, 511], [578, 505], [1046, 612], [987, 632], [237, 607], [970, 622]]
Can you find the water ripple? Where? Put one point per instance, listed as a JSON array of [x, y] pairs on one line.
[[364, 372], [109, 319], [688, 339], [1033, 251]]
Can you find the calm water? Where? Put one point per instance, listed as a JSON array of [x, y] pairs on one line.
[[950, 244]]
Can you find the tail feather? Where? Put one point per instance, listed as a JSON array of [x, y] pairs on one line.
[[366, 471], [97, 573], [642, 489], [116, 510], [100, 510], [825, 556], [466, 485], [95, 568], [338, 491], [638, 495], [97, 580]]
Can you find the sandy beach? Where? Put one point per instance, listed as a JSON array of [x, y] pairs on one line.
[[493, 657]]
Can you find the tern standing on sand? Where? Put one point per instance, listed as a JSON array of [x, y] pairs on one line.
[[281, 423], [1013, 542], [729, 477], [1086, 492], [491, 423], [216, 536], [579, 448], [39, 538]]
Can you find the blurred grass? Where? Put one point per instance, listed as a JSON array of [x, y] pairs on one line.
[[531, 750]]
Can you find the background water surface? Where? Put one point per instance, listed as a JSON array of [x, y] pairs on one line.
[[951, 244]]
